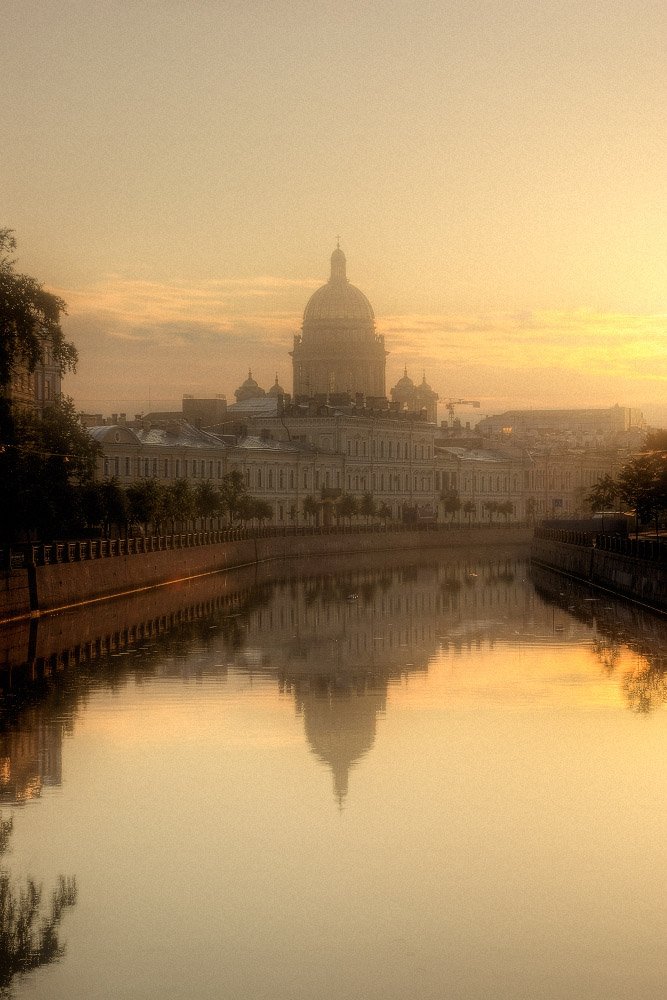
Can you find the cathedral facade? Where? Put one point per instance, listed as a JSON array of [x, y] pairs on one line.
[[338, 349]]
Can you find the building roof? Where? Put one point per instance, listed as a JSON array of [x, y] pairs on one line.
[[475, 454], [255, 443], [179, 434]]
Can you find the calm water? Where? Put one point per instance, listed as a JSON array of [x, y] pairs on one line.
[[442, 780]]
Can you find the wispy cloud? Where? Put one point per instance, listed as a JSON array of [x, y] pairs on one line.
[[136, 337]]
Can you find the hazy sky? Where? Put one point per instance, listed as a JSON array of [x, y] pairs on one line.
[[496, 171]]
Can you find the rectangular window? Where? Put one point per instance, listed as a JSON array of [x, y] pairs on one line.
[[177, 470], [127, 467]]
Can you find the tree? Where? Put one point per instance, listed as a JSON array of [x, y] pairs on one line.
[[347, 506], [311, 508], [261, 511], [451, 502], [469, 509], [604, 494], [115, 505], [384, 512], [178, 502], [53, 448], [506, 507], [367, 507], [656, 441], [146, 503], [207, 500], [234, 493], [29, 320], [642, 485]]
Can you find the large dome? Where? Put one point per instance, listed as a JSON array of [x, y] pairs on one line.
[[338, 300]]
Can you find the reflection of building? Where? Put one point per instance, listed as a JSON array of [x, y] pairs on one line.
[[338, 350], [340, 722], [30, 755]]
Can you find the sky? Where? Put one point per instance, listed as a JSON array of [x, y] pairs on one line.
[[496, 172]]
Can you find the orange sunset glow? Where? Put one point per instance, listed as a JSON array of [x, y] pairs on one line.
[[179, 175]]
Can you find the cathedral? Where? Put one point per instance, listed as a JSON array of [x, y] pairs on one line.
[[338, 350]]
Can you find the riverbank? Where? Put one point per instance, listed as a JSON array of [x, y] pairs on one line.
[[630, 569], [48, 578]]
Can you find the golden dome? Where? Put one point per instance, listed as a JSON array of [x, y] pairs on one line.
[[338, 300]]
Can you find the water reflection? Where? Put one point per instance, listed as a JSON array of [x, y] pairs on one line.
[[618, 627], [180, 721], [334, 641], [28, 935]]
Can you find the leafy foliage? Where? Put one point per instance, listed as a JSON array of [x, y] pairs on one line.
[[29, 320], [55, 449]]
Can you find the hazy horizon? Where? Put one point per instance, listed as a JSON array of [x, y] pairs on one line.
[[179, 175]]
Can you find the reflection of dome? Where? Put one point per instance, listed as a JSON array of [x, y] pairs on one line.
[[338, 300], [340, 727], [249, 390], [276, 389]]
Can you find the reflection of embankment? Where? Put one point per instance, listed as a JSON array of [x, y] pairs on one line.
[[337, 636], [81, 634], [617, 625]]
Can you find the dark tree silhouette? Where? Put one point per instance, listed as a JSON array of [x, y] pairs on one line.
[[28, 936]]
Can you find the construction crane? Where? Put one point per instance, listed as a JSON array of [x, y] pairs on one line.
[[451, 403]]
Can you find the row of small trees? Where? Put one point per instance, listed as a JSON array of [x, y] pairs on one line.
[[160, 507], [452, 505], [344, 508], [640, 486]]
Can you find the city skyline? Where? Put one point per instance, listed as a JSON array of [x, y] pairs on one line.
[[496, 175]]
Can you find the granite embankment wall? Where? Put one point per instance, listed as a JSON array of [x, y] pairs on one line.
[[44, 578], [633, 569]]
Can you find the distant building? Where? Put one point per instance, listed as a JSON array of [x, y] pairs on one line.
[[416, 398], [577, 427], [338, 350]]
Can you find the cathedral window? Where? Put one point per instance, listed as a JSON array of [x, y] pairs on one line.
[[270, 482], [127, 467], [291, 479]]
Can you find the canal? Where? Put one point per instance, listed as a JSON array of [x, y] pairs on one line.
[[436, 778]]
